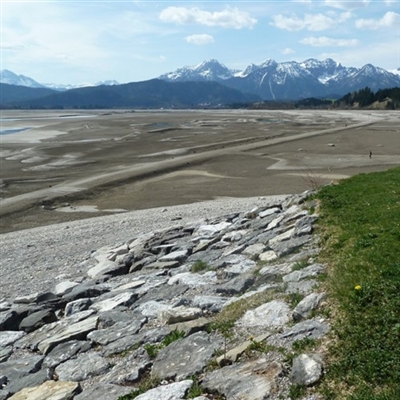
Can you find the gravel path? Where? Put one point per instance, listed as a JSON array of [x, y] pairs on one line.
[[35, 260]]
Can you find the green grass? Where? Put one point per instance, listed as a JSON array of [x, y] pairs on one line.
[[360, 229], [199, 266]]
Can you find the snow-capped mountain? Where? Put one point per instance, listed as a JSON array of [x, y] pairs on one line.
[[290, 80], [210, 70], [11, 78], [60, 87]]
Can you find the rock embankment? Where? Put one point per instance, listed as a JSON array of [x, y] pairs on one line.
[[221, 308]]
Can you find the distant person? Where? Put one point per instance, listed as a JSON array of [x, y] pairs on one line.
[[370, 154]]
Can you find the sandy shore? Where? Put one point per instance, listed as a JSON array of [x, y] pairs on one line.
[[75, 165]]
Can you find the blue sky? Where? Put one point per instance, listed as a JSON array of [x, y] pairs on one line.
[[89, 41]]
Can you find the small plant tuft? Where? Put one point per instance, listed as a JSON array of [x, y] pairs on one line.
[[199, 266]]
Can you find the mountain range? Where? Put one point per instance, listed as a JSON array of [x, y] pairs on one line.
[[290, 80], [207, 84]]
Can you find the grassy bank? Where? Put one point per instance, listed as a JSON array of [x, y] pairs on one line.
[[360, 229]]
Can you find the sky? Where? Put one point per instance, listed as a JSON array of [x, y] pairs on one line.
[[88, 41]]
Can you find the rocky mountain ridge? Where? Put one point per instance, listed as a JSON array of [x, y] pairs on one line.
[[290, 80], [227, 307]]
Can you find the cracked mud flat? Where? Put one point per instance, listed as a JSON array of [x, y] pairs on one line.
[[96, 163]]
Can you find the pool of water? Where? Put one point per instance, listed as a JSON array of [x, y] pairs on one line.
[[13, 130]]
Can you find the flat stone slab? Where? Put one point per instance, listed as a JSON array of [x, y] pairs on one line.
[[186, 356], [254, 380], [85, 366], [50, 390], [9, 337], [104, 391], [173, 391], [272, 315]]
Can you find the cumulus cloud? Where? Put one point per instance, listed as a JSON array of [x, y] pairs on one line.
[[311, 22], [227, 18], [324, 41], [200, 39], [389, 20], [347, 5]]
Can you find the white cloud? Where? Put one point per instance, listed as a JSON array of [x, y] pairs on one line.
[[288, 51], [200, 39], [348, 5], [228, 18], [389, 20], [311, 22], [324, 41]]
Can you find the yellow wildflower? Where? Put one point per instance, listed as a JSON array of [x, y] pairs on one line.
[[358, 287]]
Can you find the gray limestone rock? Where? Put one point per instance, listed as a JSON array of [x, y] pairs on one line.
[[236, 285], [107, 268], [289, 246], [194, 280], [306, 369], [120, 299], [185, 357], [179, 314], [9, 320], [65, 351], [104, 391], [37, 319], [304, 287], [85, 290], [17, 369], [76, 306], [190, 327], [211, 303], [127, 342], [76, 331], [50, 390], [5, 353], [152, 308], [29, 380], [272, 315], [64, 287], [85, 366], [310, 328], [253, 380], [307, 305], [307, 272], [8, 338], [173, 391], [129, 369], [117, 331]]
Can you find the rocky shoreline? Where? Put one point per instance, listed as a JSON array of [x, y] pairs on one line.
[[224, 307]]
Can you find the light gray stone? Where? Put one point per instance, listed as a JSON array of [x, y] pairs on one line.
[[307, 305], [85, 366], [152, 308], [253, 380], [65, 351], [272, 315], [307, 272], [179, 255], [117, 331], [17, 369], [304, 287], [107, 267], [77, 331], [50, 390], [211, 303], [37, 319], [194, 280], [64, 287], [269, 255], [122, 299], [179, 314], [185, 357], [76, 306], [104, 391], [237, 285], [211, 230], [306, 369], [8, 338], [173, 391]]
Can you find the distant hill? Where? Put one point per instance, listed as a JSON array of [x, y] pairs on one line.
[[14, 93], [154, 93]]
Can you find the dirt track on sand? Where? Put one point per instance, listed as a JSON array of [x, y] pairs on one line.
[[75, 165]]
